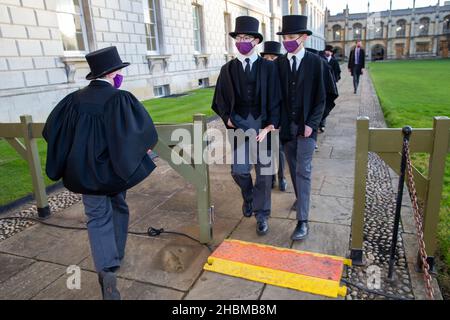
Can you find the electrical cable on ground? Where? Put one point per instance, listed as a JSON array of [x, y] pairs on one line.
[[151, 232]]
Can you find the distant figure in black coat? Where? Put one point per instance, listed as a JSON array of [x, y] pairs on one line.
[[247, 97], [334, 64], [98, 142], [333, 76], [304, 96], [357, 63]]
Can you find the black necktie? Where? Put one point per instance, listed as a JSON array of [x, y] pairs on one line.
[[294, 64], [247, 67]]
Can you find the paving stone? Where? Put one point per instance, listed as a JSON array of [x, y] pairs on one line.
[[49, 244], [329, 210], [325, 238], [169, 262], [10, 265], [278, 293], [334, 167], [30, 281], [231, 288], [90, 290], [337, 186], [279, 234]]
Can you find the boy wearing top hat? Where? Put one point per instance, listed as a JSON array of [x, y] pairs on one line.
[[272, 52], [303, 95], [98, 139], [247, 97]]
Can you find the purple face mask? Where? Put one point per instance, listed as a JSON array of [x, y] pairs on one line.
[[244, 47], [291, 45], [118, 81]]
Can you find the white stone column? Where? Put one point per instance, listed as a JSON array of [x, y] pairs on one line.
[[295, 7]]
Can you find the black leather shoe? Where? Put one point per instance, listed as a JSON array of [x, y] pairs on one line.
[[262, 226], [282, 184], [322, 129], [294, 206], [108, 283], [247, 209], [301, 231]]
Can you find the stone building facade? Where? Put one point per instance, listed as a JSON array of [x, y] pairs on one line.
[[393, 34], [315, 10], [173, 45]]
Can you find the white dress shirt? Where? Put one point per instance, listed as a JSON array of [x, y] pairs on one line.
[[298, 56], [253, 57]]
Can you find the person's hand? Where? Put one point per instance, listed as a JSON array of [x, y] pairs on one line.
[[349, 70], [149, 151], [230, 124], [308, 131], [262, 135], [362, 71]]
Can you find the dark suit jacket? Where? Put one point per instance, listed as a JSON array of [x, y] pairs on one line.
[[310, 88], [362, 60], [267, 91], [98, 138]]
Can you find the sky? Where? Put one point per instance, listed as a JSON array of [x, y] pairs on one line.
[[357, 6]]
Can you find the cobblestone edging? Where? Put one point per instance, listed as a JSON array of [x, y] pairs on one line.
[[379, 220]]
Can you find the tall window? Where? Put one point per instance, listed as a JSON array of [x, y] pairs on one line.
[[446, 27], [337, 32], [151, 26], [401, 28], [357, 31], [197, 28], [379, 30], [263, 30], [228, 40], [424, 25], [422, 47], [72, 26]]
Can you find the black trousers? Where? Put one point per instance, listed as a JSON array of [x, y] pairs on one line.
[[356, 74]]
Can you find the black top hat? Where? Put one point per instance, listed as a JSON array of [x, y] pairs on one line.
[[295, 24], [329, 48], [104, 61], [272, 47], [247, 25]]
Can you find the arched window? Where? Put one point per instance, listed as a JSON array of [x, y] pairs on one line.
[[401, 28], [379, 30], [446, 28], [424, 25], [357, 31], [337, 32], [338, 53]]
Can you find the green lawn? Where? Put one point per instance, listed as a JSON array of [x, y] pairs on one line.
[[412, 93], [15, 180], [181, 109]]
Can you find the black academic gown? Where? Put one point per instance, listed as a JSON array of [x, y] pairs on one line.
[[310, 88], [267, 91], [98, 138], [336, 69], [330, 86]]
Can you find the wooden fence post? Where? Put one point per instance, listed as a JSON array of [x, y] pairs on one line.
[[34, 163], [436, 172], [359, 189]]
